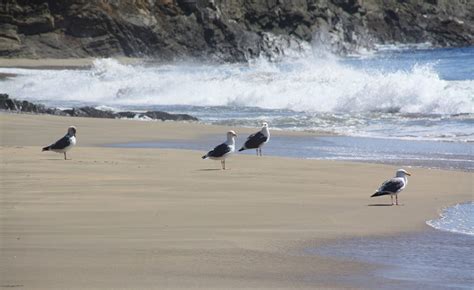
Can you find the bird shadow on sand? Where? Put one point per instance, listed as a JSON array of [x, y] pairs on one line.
[[210, 169]]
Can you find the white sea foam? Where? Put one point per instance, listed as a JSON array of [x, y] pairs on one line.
[[457, 219], [310, 85]]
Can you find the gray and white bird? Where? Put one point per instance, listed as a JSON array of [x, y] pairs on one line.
[[257, 140], [394, 185], [65, 143], [224, 150]]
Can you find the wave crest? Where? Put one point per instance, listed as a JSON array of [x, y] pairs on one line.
[[312, 85]]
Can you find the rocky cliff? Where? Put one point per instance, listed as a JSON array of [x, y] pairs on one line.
[[229, 30]]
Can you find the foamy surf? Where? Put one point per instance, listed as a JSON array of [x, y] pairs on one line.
[[456, 219], [413, 99], [317, 86]]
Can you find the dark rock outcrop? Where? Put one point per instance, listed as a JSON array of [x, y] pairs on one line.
[[13, 105], [159, 115], [90, 112], [231, 30]]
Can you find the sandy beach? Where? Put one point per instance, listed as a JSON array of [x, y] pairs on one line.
[[58, 63], [159, 218]]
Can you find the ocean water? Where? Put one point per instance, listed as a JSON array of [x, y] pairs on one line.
[[456, 219], [424, 94], [432, 259]]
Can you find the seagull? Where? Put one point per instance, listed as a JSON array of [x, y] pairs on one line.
[[257, 140], [222, 151], [393, 186], [65, 143]]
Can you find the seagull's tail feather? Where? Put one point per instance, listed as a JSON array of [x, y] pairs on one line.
[[241, 149], [46, 148], [204, 157], [378, 193]]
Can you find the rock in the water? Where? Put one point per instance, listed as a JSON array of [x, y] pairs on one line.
[[13, 105], [158, 115], [90, 112]]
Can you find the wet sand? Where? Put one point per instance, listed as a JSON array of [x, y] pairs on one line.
[[163, 218]]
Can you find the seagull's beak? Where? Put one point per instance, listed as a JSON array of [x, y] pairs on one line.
[[235, 135], [409, 174]]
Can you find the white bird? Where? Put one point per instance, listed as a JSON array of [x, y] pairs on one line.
[[257, 140], [65, 143], [222, 151], [394, 186]]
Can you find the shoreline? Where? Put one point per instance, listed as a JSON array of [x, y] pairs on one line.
[[165, 217], [312, 146], [406, 260]]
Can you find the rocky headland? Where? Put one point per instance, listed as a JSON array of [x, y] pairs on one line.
[[17, 106], [230, 30]]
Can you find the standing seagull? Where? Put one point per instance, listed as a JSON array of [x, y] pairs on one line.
[[221, 152], [257, 140], [65, 143], [393, 186]]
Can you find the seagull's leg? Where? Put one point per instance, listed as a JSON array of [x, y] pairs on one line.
[[396, 198], [65, 158], [391, 197], [223, 163], [261, 152], [257, 151]]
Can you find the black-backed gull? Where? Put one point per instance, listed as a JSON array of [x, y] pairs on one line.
[[393, 186], [222, 151], [257, 140], [65, 143]]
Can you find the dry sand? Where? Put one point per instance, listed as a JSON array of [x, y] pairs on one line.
[[155, 218], [58, 63]]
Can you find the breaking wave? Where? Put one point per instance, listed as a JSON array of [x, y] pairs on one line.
[[310, 85], [456, 219]]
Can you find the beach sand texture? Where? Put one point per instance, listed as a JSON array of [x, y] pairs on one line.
[[158, 218]]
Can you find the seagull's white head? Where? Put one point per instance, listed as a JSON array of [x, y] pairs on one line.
[[402, 173], [265, 130], [71, 131], [231, 134]]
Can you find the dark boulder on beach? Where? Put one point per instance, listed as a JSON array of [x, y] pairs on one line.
[[13, 105], [90, 112], [159, 115], [225, 30]]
